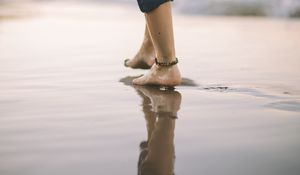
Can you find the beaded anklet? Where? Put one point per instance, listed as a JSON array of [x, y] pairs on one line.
[[166, 64]]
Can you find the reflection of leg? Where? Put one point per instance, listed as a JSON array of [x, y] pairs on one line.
[[159, 22], [160, 157], [150, 123], [160, 107], [144, 59], [148, 113]]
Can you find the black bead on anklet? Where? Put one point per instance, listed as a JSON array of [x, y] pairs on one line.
[[166, 64]]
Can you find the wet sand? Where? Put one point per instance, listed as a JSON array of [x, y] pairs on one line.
[[67, 105]]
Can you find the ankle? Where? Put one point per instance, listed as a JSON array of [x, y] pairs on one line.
[[147, 51], [167, 63], [148, 47]]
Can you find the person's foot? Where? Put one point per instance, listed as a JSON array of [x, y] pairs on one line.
[[142, 60], [160, 75]]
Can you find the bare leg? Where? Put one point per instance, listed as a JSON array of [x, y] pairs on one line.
[[144, 59], [160, 154], [159, 23]]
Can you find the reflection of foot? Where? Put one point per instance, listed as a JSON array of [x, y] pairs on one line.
[[141, 61], [160, 75], [163, 102]]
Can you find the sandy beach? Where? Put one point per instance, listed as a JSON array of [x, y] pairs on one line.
[[67, 105]]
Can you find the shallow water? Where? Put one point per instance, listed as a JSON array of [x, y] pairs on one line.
[[66, 106]]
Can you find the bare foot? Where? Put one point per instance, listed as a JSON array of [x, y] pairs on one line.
[[142, 60], [159, 75]]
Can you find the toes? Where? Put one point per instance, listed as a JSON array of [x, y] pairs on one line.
[[142, 80], [137, 81], [126, 62]]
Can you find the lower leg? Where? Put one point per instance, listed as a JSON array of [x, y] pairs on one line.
[[144, 59], [160, 26], [161, 151], [159, 23]]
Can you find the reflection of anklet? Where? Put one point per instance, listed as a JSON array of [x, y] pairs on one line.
[[170, 115], [166, 64]]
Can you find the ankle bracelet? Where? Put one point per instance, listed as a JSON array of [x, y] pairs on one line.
[[166, 64]]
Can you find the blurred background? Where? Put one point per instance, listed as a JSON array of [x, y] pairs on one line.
[[65, 111], [269, 8]]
